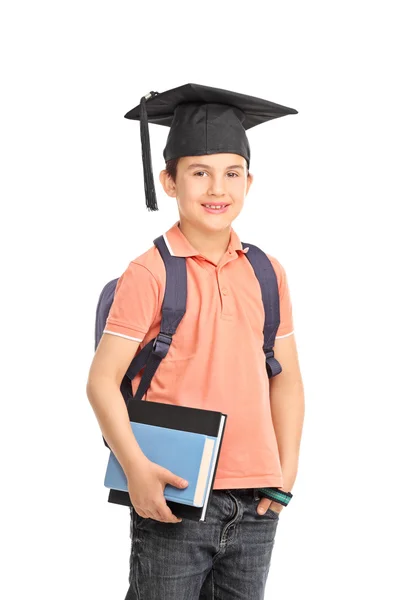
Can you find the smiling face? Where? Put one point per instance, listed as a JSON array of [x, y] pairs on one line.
[[219, 179]]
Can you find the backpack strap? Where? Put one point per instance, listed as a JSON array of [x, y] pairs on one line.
[[266, 276], [173, 309]]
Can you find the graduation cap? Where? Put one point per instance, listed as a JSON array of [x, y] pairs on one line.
[[202, 120]]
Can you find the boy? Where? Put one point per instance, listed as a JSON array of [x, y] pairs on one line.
[[216, 360]]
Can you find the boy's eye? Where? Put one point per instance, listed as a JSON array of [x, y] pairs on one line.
[[230, 173]]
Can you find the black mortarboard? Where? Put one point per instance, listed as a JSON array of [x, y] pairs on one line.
[[203, 120]]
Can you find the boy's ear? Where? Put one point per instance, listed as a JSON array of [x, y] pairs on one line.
[[249, 182], [167, 183]]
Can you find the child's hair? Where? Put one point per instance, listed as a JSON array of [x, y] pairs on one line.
[[172, 165]]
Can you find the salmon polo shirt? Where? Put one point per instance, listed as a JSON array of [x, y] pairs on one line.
[[216, 359]]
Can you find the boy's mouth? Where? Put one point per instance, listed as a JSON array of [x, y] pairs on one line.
[[215, 208]]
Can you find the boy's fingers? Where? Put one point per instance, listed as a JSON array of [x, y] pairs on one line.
[[263, 506]]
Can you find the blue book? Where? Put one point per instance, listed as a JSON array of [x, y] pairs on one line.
[[182, 439]]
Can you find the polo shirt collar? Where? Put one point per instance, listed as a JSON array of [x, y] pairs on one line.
[[179, 245]]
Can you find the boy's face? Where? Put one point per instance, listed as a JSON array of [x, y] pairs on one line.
[[211, 178]]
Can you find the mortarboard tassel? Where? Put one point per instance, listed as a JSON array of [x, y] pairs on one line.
[[150, 192]]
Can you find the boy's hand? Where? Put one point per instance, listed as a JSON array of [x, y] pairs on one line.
[[266, 503], [146, 484]]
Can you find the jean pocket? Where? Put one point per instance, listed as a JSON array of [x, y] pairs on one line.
[[268, 513]]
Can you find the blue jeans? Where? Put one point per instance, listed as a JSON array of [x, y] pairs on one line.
[[225, 558]]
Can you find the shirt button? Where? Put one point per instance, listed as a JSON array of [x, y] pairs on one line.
[[224, 291]]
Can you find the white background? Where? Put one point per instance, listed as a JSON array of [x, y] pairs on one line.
[[324, 199]]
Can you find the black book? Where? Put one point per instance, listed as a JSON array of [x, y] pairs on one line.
[[183, 439]]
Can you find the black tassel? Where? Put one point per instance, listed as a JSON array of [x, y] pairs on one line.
[[150, 192]]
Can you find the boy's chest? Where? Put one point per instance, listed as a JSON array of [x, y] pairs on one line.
[[221, 302]]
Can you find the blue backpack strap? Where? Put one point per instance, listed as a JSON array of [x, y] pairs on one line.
[[173, 309], [266, 276]]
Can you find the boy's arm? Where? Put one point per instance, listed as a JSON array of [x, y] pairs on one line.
[[287, 407], [113, 356], [135, 304]]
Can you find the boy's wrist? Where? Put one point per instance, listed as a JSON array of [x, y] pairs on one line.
[[135, 462], [276, 494]]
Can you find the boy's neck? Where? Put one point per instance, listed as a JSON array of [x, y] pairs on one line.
[[212, 245]]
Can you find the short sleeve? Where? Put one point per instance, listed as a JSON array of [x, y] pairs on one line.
[[135, 303], [286, 326]]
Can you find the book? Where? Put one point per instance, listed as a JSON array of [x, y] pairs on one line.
[[185, 440]]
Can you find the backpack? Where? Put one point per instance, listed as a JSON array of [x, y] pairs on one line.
[[173, 310]]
